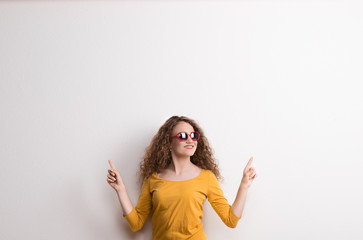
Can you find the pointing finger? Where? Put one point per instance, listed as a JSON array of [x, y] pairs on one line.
[[112, 166], [249, 163]]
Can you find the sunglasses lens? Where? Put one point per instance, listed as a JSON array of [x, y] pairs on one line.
[[183, 136], [195, 136]]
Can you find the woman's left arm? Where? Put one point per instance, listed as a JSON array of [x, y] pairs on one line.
[[249, 174]]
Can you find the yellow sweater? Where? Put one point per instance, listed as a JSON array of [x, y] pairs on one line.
[[178, 206]]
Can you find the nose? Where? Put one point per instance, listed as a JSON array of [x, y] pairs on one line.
[[189, 140]]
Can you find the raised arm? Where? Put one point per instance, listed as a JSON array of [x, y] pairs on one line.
[[219, 203], [138, 215], [249, 174], [116, 182], [135, 216]]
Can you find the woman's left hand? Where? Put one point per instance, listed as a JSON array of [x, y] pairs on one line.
[[249, 174]]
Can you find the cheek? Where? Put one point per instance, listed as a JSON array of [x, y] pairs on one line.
[[175, 145]]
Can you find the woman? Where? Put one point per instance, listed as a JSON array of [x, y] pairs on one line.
[[179, 173]]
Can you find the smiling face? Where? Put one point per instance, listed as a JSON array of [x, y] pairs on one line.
[[185, 148]]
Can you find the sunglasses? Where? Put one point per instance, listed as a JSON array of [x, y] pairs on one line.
[[183, 136]]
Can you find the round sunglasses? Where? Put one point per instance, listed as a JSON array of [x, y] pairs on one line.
[[183, 136]]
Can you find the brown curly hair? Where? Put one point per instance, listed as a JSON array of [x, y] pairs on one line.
[[157, 154]]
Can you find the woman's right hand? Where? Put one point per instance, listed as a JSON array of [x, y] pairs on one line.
[[114, 178]]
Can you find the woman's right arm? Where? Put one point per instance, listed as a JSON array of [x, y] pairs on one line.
[[125, 202], [115, 180], [135, 216]]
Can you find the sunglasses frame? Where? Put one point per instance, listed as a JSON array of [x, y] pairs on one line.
[[190, 135]]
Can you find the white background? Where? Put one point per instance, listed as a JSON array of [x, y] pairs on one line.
[[82, 82]]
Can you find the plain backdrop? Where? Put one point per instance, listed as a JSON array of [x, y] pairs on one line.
[[82, 82]]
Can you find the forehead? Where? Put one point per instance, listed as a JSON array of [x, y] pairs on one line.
[[183, 127]]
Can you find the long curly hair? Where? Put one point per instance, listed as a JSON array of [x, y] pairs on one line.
[[157, 155]]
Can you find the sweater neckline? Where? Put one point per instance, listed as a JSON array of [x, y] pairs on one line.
[[156, 175]]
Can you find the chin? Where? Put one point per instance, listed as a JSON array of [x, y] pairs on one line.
[[188, 154]]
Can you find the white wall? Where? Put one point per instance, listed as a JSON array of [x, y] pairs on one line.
[[86, 81]]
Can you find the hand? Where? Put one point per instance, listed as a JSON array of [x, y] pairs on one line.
[[249, 174], [114, 178]]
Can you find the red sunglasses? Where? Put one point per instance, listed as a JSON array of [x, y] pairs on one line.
[[183, 136]]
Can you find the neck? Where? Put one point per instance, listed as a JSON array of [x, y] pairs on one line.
[[180, 164]]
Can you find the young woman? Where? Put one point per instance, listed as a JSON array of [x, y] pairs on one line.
[[179, 173]]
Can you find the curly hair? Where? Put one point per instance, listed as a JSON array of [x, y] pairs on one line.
[[157, 155]]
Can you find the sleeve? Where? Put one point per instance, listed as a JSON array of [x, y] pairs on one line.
[[219, 202], [138, 215]]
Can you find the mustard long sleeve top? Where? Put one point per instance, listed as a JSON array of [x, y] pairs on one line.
[[177, 206]]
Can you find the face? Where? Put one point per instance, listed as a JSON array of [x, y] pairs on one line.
[[185, 148]]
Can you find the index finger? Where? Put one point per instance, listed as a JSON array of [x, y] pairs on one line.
[[249, 163], [112, 166]]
